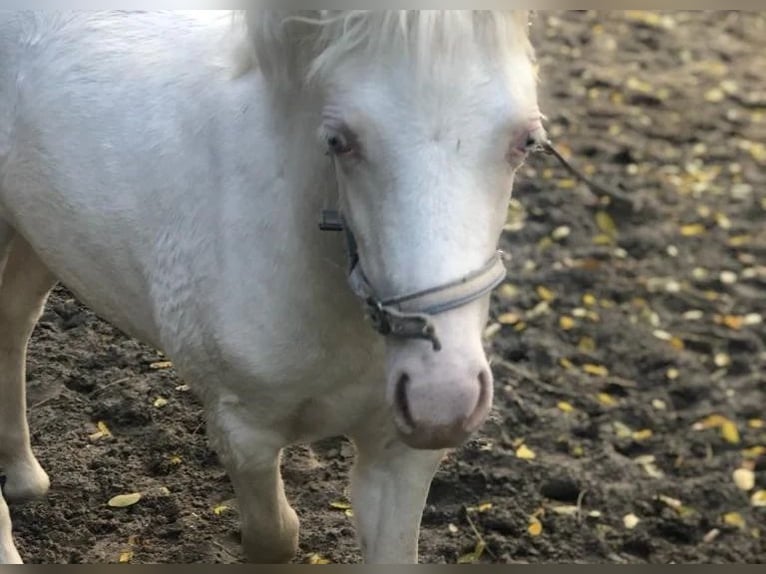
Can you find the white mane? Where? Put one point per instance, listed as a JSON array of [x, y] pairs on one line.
[[299, 46]]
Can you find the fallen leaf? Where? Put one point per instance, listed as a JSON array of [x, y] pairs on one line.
[[692, 229], [545, 294], [340, 505], [588, 300], [756, 423], [641, 435], [734, 519], [525, 453], [481, 507], [125, 557], [160, 402], [535, 527], [565, 407], [606, 399], [102, 432], [730, 433], [159, 365], [566, 364], [710, 422], [315, 558], [711, 535], [734, 322], [474, 556], [754, 452], [630, 521], [669, 501], [606, 224], [566, 322], [595, 370], [123, 500], [586, 345], [758, 499], [508, 319], [220, 509], [744, 478]]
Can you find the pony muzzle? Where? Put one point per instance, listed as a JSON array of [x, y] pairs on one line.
[[438, 399]]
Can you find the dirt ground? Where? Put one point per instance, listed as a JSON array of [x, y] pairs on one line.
[[622, 330]]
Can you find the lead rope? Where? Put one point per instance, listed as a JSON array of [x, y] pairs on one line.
[[613, 194]]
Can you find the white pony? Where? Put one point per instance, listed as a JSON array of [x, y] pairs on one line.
[[179, 195]]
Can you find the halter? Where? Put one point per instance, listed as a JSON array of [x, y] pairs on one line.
[[410, 316]]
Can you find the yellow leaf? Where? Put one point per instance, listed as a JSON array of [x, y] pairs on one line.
[[606, 224], [606, 399], [220, 509], [565, 407], [535, 527], [734, 322], [315, 558], [545, 294], [602, 239], [756, 423], [349, 512], [159, 365], [643, 434], [734, 519], [677, 343], [692, 229], [566, 363], [125, 557], [474, 556], [744, 478], [630, 521], [595, 370], [566, 322], [586, 345], [481, 507], [524, 452], [102, 432], [754, 452], [588, 300], [730, 433], [508, 319], [758, 499], [508, 291], [160, 402], [711, 422], [175, 459], [123, 500], [340, 505], [739, 240]]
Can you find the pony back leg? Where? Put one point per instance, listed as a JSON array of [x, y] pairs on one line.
[[24, 287]]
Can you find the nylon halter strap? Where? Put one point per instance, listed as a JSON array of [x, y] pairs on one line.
[[409, 316]]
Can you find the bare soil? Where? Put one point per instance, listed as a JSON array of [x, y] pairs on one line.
[[622, 327]]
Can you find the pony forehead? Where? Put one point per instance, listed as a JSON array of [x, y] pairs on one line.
[[315, 42]]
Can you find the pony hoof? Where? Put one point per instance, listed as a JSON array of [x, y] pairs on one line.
[[25, 481]]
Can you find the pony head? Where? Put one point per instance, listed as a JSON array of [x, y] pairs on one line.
[[426, 116]]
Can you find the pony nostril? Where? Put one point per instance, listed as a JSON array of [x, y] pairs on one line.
[[401, 404], [482, 403]]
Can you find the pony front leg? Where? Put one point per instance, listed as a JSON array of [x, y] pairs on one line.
[[23, 290], [389, 486], [8, 552], [251, 456]]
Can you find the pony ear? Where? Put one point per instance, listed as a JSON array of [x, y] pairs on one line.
[[283, 42]]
